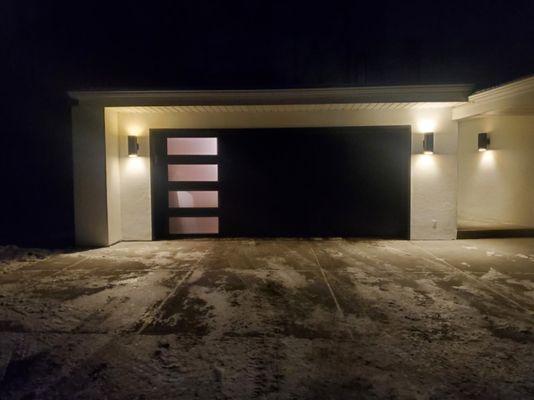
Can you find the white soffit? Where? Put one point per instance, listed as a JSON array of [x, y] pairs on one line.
[[513, 98], [347, 97], [283, 107]]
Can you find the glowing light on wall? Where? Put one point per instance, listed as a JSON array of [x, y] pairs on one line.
[[483, 142], [428, 143], [427, 127], [133, 146]]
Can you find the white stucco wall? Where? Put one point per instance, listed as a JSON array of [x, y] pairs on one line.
[[497, 186], [113, 177], [433, 178], [136, 208], [89, 176]]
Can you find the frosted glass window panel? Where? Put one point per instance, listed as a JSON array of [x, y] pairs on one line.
[[195, 146], [193, 172], [193, 225], [193, 199]]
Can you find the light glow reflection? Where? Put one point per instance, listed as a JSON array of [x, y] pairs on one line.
[[426, 125], [487, 159], [425, 163], [135, 165], [134, 130]]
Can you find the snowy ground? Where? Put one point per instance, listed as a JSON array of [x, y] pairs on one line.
[[269, 319]]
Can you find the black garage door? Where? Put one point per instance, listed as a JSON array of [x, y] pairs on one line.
[[343, 181]]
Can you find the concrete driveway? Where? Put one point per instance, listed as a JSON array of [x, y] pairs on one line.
[[271, 319]]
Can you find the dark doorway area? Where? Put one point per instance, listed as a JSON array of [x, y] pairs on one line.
[[340, 181]]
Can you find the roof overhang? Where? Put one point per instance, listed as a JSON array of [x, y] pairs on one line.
[[346, 95], [513, 98]]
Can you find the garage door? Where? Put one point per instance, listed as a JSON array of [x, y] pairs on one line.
[[343, 181]]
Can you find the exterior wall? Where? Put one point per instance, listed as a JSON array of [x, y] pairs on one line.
[[136, 209], [113, 179], [433, 187], [89, 173], [496, 187]]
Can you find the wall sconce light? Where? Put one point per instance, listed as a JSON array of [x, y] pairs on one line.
[[428, 143], [133, 146], [483, 141]]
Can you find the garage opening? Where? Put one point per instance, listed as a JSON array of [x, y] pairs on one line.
[[301, 182]]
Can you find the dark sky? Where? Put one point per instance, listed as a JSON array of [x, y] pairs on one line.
[[50, 47]]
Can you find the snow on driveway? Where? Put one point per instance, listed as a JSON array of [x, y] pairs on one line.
[[269, 319]]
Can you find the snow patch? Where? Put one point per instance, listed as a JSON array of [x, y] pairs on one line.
[[274, 262], [333, 253], [10, 252], [525, 283], [289, 278], [466, 264], [470, 247], [12, 255], [468, 289], [493, 275]]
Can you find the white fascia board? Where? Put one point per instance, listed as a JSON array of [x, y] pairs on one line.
[[512, 89], [517, 94], [381, 94]]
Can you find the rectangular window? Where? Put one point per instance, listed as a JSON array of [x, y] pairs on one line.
[[193, 199], [192, 146], [193, 225], [192, 172]]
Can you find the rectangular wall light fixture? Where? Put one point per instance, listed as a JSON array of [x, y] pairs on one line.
[[428, 143], [133, 146], [483, 141]]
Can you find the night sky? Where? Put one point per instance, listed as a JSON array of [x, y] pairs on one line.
[[48, 48]]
